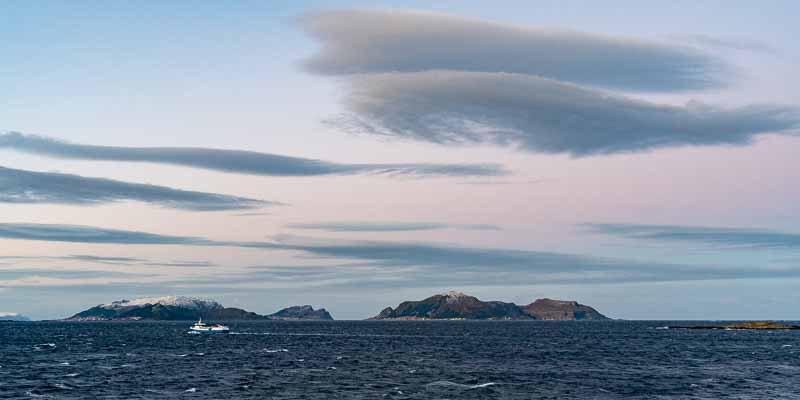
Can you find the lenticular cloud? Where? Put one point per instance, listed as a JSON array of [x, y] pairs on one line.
[[450, 80]]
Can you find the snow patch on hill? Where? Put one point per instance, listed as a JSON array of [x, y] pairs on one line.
[[454, 297], [194, 303]]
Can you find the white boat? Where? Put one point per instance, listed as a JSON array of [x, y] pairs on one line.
[[200, 327]]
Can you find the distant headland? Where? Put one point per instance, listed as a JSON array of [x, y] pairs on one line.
[[184, 308], [16, 317], [457, 305]]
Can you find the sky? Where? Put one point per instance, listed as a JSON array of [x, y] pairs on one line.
[[639, 158]]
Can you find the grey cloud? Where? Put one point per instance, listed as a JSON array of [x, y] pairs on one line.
[[366, 226], [235, 161], [542, 115], [28, 187], [370, 41], [751, 238]]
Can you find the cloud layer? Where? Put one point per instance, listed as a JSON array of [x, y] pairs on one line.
[[234, 161], [542, 115], [374, 41], [387, 263], [28, 187], [738, 237]]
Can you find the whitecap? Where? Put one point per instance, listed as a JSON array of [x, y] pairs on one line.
[[74, 374], [276, 350], [459, 385], [190, 390]]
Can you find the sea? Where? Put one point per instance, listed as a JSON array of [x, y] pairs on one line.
[[396, 360]]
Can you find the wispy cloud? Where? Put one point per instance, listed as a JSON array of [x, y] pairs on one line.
[[542, 115], [386, 226], [88, 234], [109, 260], [740, 237], [726, 43], [234, 161], [376, 41], [29, 187]]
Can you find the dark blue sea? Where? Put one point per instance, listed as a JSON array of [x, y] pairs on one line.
[[396, 360]]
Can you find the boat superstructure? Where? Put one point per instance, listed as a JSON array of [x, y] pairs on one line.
[[201, 327]]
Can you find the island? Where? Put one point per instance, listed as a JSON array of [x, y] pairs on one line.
[[760, 325], [185, 308], [457, 305]]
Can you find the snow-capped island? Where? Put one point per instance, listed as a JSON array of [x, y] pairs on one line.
[[186, 308]]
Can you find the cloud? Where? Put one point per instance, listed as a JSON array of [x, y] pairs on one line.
[[234, 161], [740, 237], [107, 260], [542, 115], [377, 41], [14, 274], [387, 263], [102, 259], [365, 226], [28, 187], [450, 80]]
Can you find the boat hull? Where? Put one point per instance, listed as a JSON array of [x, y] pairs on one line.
[[209, 331]]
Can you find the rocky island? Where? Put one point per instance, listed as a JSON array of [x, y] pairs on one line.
[[743, 326], [457, 305], [183, 308]]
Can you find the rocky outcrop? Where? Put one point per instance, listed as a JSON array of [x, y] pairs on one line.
[[457, 305], [302, 312], [184, 308], [561, 310]]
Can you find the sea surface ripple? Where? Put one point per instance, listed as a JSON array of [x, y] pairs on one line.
[[396, 360]]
